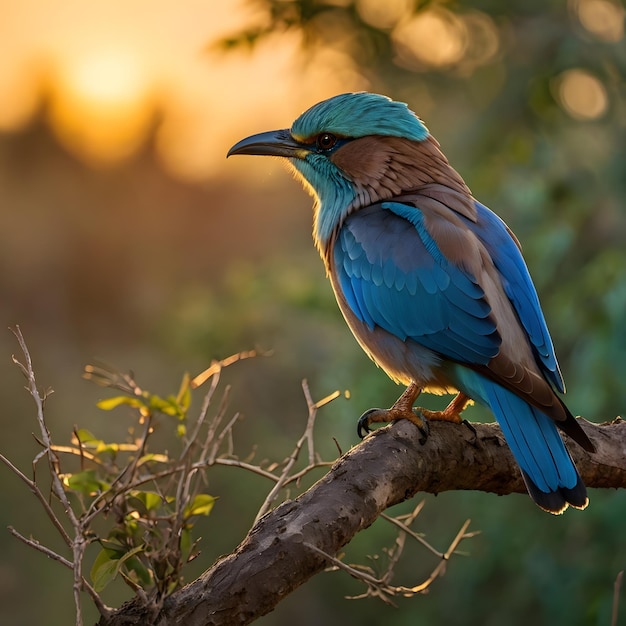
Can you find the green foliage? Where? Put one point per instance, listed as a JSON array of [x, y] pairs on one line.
[[147, 501]]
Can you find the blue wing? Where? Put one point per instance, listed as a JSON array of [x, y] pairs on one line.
[[518, 286], [393, 276], [387, 262]]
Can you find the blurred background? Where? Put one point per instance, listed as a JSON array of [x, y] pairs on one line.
[[126, 237]]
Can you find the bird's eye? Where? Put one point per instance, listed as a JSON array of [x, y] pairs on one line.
[[325, 141]]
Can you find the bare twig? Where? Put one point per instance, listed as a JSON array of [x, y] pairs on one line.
[[206, 403], [29, 373], [225, 433], [78, 544], [396, 551], [405, 528], [42, 500], [376, 586], [441, 567], [380, 586], [307, 437], [217, 366], [33, 543]]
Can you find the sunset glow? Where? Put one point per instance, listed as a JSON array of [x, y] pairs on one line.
[[113, 72], [101, 105]]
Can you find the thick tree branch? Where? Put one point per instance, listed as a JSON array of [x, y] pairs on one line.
[[387, 468]]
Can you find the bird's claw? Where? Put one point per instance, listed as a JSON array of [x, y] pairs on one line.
[[363, 425], [389, 415], [470, 426], [472, 429]]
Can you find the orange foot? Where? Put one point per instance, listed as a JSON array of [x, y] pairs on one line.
[[452, 413], [403, 409]]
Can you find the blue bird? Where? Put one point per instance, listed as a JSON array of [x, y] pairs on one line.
[[432, 283]]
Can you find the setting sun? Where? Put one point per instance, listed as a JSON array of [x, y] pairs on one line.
[[101, 105]]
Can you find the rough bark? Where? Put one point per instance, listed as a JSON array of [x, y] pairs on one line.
[[385, 469]]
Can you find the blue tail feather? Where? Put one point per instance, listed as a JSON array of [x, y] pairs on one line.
[[548, 470], [534, 440]]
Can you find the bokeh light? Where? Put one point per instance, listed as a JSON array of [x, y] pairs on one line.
[[433, 38], [603, 18], [581, 94], [439, 39], [383, 15]]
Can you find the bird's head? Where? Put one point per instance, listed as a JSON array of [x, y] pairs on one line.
[[352, 150]]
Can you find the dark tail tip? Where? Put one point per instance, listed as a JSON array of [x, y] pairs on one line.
[[557, 501]]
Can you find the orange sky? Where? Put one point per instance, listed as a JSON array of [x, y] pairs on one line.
[[108, 65]]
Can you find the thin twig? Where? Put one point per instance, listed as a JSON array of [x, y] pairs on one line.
[[294, 478], [226, 431], [208, 396], [355, 572], [440, 569], [411, 533], [217, 366], [308, 433], [103, 609], [42, 500], [78, 544], [33, 543], [396, 551], [28, 371], [291, 460], [380, 586]]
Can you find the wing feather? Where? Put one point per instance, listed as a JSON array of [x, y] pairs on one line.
[[419, 296]]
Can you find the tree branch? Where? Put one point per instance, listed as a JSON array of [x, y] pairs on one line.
[[385, 469]]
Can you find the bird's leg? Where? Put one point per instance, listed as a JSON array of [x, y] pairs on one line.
[[452, 413], [402, 409]]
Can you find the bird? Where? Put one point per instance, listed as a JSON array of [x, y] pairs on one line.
[[432, 283]]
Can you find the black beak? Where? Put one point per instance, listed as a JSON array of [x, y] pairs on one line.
[[273, 143]]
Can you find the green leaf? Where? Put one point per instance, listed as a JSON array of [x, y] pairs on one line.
[[111, 403], [109, 448], [104, 568], [168, 405], [87, 438], [186, 543], [200, 505], [149, 499], [107, 565], [86, 482], [154, 458], [143, 575]]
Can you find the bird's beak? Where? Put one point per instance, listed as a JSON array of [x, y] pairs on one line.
[[272, 143]]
